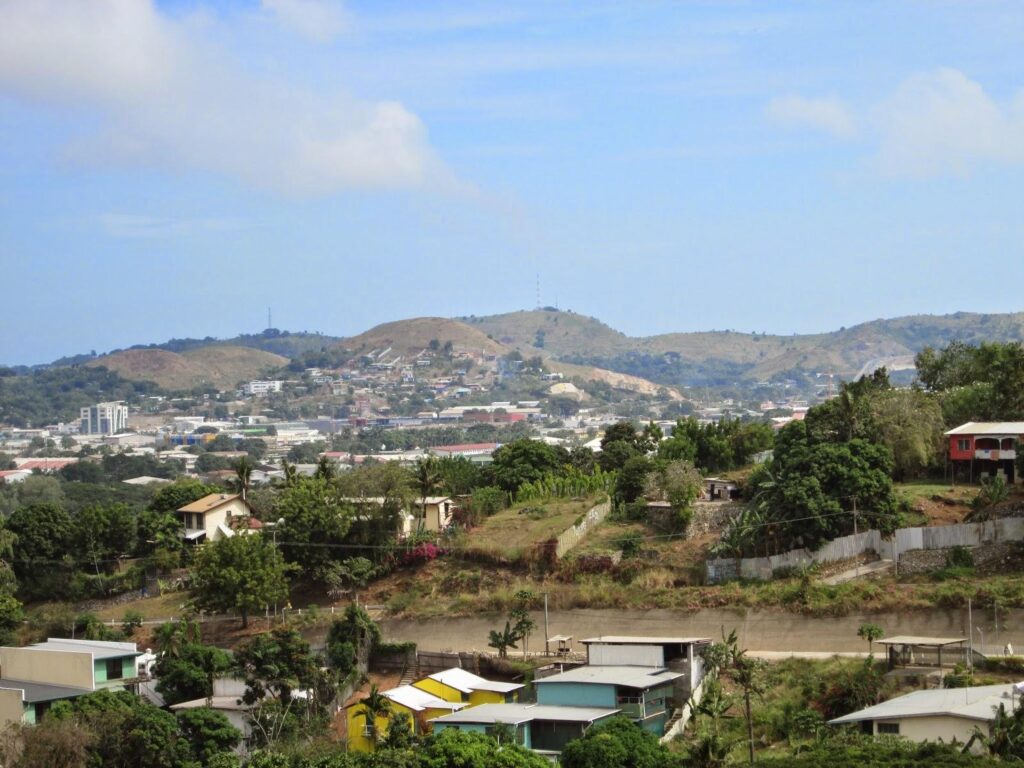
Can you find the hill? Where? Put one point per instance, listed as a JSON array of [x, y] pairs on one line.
[[717, 358], [410, 337], [216, 365]]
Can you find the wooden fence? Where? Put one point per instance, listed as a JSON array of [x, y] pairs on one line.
[[904, 540]]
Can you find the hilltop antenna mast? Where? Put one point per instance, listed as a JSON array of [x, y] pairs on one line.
[[269, 324], [538, 290]]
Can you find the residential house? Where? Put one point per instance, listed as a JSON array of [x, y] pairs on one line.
[[34, 677], [944, 714], [644, 694], [986, 448], [678, 654], [226, 699], [421, 706], [460, 685], [544, 729], [434, 513], [14, 475], [216, 516]]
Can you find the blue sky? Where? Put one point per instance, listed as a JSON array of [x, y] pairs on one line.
[[172, 169]]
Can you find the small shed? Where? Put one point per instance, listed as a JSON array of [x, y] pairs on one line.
[[914, 651]]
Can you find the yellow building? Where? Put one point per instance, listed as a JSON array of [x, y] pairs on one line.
[[458, 685], [420, 705]]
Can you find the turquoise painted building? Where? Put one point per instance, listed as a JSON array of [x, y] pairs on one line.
[[544, 729], [644, 694], [34, 677]]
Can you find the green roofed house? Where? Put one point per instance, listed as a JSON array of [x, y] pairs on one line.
[[34, 677], [544, 729]]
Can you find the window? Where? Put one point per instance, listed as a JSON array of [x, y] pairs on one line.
[[368, 731], [888, 729], [114, 669], [963, 444]]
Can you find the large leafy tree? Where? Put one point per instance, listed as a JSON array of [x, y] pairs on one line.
[[809, 492], [244, 573], [189, 672], [525, 461], [209, 733], [317, 520], [618, 743], [276, 664], [103, 533]]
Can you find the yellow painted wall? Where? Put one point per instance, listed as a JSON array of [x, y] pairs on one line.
[[440, 690], [357, 742], [12, 710], [70, 668], [486, 697]]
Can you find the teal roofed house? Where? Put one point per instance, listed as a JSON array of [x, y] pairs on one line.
[[544, 729], [33, 677]]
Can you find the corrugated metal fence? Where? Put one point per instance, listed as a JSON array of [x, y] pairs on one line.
[[904, 540]]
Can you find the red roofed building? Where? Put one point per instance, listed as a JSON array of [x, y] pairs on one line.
[[44, 464]]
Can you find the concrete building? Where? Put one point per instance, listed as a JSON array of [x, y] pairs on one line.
[[104, 418], [941, 715], [34, 677]]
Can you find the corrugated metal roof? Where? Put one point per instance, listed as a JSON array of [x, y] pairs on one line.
[[100, 649], [207, 503], [989, 428], [975, 703], [467, 682], [514, 714], [35, 692], [924, 641], [416, 699], [630, 677], [640, 640]]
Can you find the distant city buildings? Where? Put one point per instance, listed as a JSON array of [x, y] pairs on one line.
[[257, 387], [104, 418]]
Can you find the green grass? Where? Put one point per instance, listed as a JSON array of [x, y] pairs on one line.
[[925, 489], [523, 526]]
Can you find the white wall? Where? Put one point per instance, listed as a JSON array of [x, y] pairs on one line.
[[629, 655]]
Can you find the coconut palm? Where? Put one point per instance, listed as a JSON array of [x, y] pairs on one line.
[[375, 706], [428, 480], [243, 476]]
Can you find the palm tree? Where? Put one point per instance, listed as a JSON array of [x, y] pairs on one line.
[[870, 632], [375, 705], [428, 480], [290, 473], [243, 475]]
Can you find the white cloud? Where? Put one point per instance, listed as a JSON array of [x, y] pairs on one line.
[[943, 122], [319, 20], [168, 99], [830, 115]]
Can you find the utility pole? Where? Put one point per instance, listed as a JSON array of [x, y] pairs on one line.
[[970, 636], [546, 651], [855, 531]]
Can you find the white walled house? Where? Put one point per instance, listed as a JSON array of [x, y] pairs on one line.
[[217, 516]]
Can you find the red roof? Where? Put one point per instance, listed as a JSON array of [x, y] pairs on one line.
[[46, 463], [466, 448]]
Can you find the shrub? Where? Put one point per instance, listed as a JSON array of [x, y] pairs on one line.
[[960, 557], [422, 553], [131, 621]]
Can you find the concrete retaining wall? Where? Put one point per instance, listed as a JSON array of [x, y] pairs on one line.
[[570, 537]]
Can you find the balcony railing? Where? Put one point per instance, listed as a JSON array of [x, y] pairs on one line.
[[995, 454]]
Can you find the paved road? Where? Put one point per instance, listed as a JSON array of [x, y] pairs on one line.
[[775, 631]]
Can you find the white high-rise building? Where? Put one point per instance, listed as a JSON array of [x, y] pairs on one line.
[[104, 419]]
